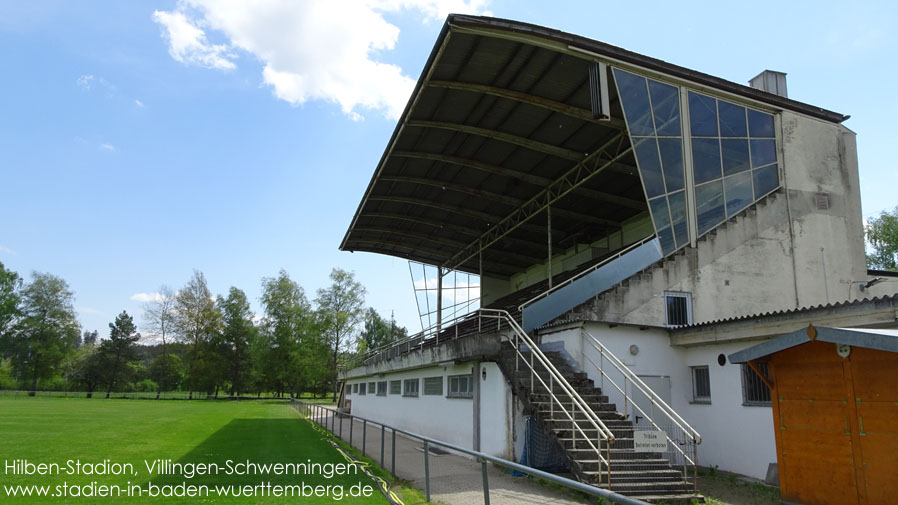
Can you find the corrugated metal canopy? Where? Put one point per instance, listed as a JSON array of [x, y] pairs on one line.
[[502, 110]]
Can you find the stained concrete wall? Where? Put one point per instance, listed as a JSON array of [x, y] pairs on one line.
[[735, 437]]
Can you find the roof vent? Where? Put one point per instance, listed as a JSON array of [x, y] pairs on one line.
[[770, 81]]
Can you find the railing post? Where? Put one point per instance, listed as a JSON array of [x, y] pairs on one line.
[[486, 483], [694, 466], [382, 435], [351, 428], [551, 403], [393, 458], [532, 371], [426, 472], [364, 434], [341, 427]]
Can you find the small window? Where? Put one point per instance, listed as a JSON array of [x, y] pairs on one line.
[[701, 385], [348, 389], [372, 387], [410, 387], [362, 388], [461, 386], [433, 386], [355, 388], [395, 387], [382, 388], [678, 308], [754, 391]]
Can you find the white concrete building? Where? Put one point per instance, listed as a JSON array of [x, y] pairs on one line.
[[617, 209]]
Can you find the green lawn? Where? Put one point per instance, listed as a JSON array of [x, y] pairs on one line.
[[43, 430]]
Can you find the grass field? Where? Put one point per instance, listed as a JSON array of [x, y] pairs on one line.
[[43, 430]]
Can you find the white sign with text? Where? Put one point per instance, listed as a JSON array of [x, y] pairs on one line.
[[649, 441]]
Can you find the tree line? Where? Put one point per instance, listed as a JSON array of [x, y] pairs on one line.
[[190, 341]]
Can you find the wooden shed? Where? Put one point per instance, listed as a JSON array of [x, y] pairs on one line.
[[835, 412]]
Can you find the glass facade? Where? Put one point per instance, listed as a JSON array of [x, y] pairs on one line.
[[733, 148]]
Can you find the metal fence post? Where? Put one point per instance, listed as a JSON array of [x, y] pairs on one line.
[[351, 426], [364, 434], [486, 483], [341, 427], [426, 472], [393, 458], [383, 432]]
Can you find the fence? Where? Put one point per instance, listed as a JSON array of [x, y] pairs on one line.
[[379, 442], [130, 395]]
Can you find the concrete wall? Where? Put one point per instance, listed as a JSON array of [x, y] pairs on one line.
[[447, 419], [765, 261], [735, 437]]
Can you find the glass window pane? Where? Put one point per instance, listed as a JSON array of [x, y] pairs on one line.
[[738, 192], [660, 215], [665, 236], [732, 119], [649, 166], [706, 159], [702, 115], [760, 124], [678, 217], [635, 97], [672, 162], [766, 180], [709, 205], [666, 106], [763, 152], [735, 155]]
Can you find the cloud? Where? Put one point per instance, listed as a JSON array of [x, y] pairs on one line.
[[310, 50], [139, 104], [147, 297], [90, 311], [85, 82], [6, 250], [89, 82], [107, 147]]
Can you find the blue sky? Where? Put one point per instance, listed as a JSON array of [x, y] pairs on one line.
[[142, 140]]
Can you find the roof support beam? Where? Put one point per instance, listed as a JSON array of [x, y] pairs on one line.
[[461, 188], [417, 220], [483, 167], [448, 242], [533, 145], [605, 156], [538, 101]]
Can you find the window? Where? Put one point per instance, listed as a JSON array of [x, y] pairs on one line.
[[355, 388], [678, 308], [372, 387], [701, 385], [461, 386], [410, 387], [382, 388], [395, 387], [433, 386], [362, 388], [754, 391], [348, 389]]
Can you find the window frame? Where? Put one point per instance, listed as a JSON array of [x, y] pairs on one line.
[[381, 388], [678, 294], [406, 390], [696, 398], [457, 393], [429, 382], [398, 389], [363, 388], [751, 383]]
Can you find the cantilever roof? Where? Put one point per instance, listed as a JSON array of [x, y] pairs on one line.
[[501, 111]]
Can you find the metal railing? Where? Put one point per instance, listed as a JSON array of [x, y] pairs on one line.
[[586, 272], [344, 426], [658, 408], [576, 403]]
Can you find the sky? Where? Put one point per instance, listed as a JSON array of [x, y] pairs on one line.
[[140, 141]]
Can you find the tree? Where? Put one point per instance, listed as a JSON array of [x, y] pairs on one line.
[[90, 337], [160, 318], [85, 367], [882, 235], [197, 322], [237, 335], [118, 351], [45, 329], [286, 325], [341, 306], [10, 283], [167, 372]]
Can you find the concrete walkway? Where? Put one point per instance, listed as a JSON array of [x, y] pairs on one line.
[[454, 479]]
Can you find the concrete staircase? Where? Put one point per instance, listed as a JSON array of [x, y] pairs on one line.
[[646, 476]]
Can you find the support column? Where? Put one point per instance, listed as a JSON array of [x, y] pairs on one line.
[[475, 376], [549, 239], [691, 213], [439, 299]]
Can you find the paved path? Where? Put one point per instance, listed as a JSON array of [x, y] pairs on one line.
[[454, 479]]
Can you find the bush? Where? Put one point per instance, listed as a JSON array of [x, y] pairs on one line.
[[146, 386]]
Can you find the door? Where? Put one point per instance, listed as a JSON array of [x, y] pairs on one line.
[[660, 384]]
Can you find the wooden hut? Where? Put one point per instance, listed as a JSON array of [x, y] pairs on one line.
[[835, 413]]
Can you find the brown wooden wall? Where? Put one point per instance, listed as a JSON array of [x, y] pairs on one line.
[[836, 422]]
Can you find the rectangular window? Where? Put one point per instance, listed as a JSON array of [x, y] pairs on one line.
[[754, 391], [355, 388], [382, 388], [461, 386], [362, 388], [395, 387], [348, 389], [678, 308], [701, 385], [372, 387], [410, 387], [433, 386]]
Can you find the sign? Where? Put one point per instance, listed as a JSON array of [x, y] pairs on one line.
[[649, 441]]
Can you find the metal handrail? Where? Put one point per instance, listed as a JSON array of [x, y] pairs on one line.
[[577, 402], [579, 486], [420, 335], [587, 271], [666, 409]]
